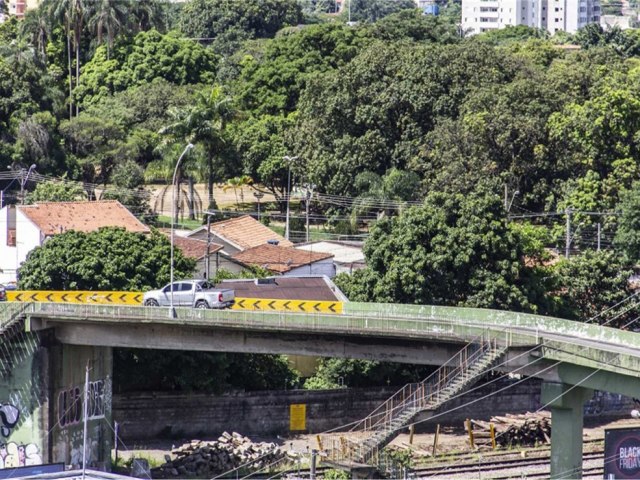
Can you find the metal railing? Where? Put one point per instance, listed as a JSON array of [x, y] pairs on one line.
[[371, 433], [434, 328]]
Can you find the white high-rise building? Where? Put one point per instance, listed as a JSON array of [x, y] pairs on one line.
[[552, 15]]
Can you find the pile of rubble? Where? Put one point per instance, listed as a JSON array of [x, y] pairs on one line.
[[206, 459]]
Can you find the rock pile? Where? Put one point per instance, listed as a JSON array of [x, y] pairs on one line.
[[206, 459], [527, 429]]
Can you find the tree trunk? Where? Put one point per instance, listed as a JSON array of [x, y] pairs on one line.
[[192, 194], [70, 75], [210, 178], [77, 66]]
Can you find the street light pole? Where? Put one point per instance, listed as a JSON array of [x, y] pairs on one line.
[[189, 146], [23, 181], [288, 159], [258, 196]]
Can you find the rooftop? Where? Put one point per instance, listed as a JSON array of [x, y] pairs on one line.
[[246, 232], [194, 248], [279, 259], [57, 217], [317, 287], [342, 252]]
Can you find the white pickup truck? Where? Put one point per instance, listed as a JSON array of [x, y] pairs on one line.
[[190, 293]]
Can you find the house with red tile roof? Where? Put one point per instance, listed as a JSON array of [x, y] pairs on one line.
[[287, 260], [239, 234], [207, 257], [24, 227]]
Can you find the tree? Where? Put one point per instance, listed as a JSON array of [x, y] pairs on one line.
[[150, 55], [256, 18], [374, 10], [337, 372], [107, 17], [107, 259], [591, 283], [455, 249], [204, 123], [627, 239], [56, 191]]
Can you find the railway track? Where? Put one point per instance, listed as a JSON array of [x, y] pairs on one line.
[[503, 469]]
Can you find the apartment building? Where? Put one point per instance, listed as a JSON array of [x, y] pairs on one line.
[[552, 15]]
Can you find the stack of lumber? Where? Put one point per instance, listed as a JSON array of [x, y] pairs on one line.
[[526, 429], [205, 459]]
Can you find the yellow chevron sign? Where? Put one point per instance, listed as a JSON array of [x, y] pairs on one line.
[[280, 305], [107, 297]]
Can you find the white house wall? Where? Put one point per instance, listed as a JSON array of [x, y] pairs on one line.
[[323, 267]]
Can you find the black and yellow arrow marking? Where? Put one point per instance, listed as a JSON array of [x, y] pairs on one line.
[[302, 306]]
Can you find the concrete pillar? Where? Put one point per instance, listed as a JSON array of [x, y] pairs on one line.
[[566, 403]]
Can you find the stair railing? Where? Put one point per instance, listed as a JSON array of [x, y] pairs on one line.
[[409, 400]]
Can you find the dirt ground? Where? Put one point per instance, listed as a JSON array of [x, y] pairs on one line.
[[224, 198], [451, 439]]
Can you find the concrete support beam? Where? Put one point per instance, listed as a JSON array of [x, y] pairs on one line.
[[181, 337], [566, 404]]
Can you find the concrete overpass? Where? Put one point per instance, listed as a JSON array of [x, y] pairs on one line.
[[571, 357]]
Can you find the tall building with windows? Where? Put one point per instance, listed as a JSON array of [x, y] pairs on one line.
[[552, 15]]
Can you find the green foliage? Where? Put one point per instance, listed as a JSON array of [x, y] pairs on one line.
[[55, 191], [455, 249], [149, 56], [333, 474], [589, 283], [336, 372], [107, 259], [373, 10], [231, 22], [513, 34], [271, 80], [627, 238], [159, 370]]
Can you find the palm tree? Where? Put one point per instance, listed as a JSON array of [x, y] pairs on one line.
[[35, 28], [237, 183], [71, 13], [203, 123], [145, 15], [107, 16]]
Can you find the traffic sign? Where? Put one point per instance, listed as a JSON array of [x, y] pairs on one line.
[[75, 296], [281, 305]]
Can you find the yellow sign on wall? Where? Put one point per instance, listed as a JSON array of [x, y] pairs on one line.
[[293, 306], [297, 417], [79, 296]]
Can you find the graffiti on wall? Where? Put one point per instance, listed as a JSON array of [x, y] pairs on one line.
[[70, 403], [9, 416], [14, 455]]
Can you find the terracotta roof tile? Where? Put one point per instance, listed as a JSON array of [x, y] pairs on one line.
[[194, 248], [246, 232], [279, 259], [57, 217]]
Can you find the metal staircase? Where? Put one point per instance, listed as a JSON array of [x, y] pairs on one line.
[[365, 440]]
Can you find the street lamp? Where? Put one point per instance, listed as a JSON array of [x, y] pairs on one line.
[[189, 146], [23, 181], [258, 196], [289, 160]]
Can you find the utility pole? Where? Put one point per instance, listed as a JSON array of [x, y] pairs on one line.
[[568, 212], [258, 196], [309, 193], [208, 259], [599, 235], [289, 160]]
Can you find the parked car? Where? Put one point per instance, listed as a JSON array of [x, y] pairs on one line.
[[190, 293]]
